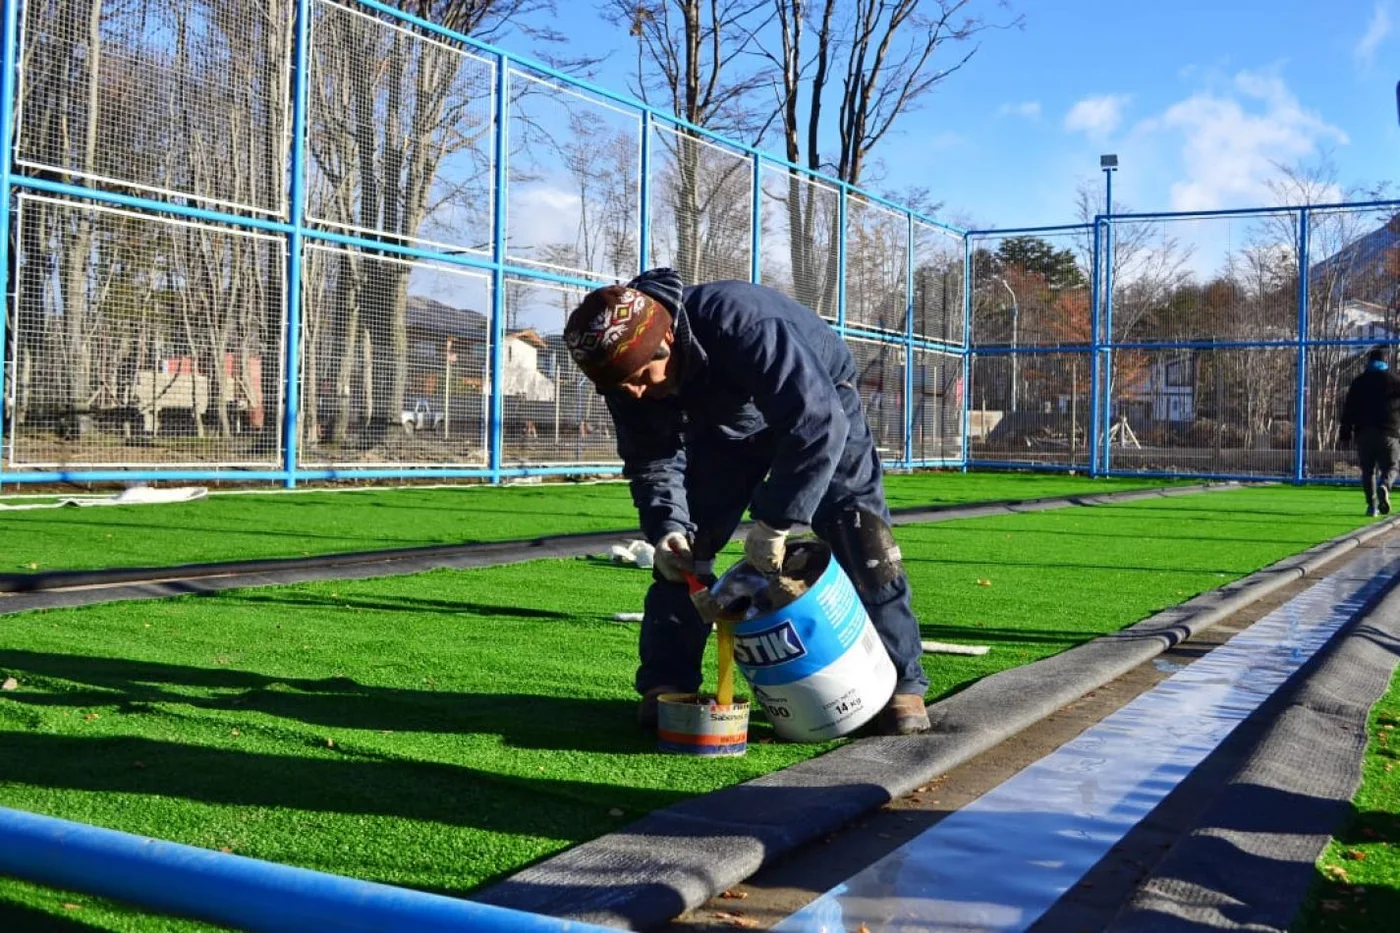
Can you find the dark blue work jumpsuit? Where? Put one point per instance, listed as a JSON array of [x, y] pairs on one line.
[[766, 417]]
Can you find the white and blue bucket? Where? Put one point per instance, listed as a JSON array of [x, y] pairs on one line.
[[816, 666]]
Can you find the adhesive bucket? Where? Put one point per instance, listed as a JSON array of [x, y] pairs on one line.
[[689, 724], [817, 665]]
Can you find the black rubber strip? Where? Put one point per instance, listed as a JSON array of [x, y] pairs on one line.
[[676, 859], [1249, 860], [511, 550]]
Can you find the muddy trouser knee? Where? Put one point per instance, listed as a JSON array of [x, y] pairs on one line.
[[863, 544]]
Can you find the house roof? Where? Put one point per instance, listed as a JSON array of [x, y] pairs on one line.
[[428, 314], [529, 335]]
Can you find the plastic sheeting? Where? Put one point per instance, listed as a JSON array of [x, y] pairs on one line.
[[1001, 862]]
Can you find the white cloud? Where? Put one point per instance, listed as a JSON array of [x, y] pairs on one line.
[[1030, 109], [1377, 31], [1232, 141], [1097, 116]]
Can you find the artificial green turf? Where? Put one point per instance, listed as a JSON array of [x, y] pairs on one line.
[[439, 730], [1357, 889], [255, 525]]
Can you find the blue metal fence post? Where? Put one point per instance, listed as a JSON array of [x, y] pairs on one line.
[[9, 62], [1300, 427], [496, 424], [756, 221], [291, 377], [967, 353], [1106, 368], [841, 218], [909, 340], [644, 199], [1091, 428]]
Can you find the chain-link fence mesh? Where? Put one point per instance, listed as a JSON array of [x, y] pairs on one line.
[[400, 133], [574, 187], [176, 101], [938, 284], [880, 382], [1032, 290], [801, 238], [1205, 279], [937, 418], [1031, 407], [394, 361], [877, 266], [1229, 412], [142, 340], [551, 412], [701, 207]]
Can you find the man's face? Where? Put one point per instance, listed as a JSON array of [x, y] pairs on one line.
[[656, 379]]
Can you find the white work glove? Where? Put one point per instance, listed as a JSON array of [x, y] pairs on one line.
[[674, 558], [764, 548]]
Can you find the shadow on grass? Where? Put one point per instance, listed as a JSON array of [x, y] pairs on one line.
[[522, 720], [18, 917], [353, 783]]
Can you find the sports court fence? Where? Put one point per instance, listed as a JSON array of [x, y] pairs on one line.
[[288, 240]]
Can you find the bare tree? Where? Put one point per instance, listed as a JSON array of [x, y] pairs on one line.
[[893, 55], [693, 59]]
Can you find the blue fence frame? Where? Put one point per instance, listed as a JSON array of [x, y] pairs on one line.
[[1103, 342], [298, 231]]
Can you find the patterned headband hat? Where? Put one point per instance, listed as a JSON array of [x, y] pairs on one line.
[[614, 332]]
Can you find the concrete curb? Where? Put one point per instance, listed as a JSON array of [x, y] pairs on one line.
[[676, 859], [1248, 862], [21, 592]]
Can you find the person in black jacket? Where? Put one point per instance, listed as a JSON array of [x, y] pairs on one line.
[[1371, 419], [730, 396]]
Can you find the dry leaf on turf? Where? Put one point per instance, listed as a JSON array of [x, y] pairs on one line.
[[10, 684], [1355, 855], [72, 906], [983, 582], [734, 895], [737, 920]]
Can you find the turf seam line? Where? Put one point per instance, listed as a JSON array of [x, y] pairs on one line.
[[1248, 861], [624, 880], [89, 586], [585, 541]]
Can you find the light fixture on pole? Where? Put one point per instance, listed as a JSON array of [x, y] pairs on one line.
[[1109, 164]]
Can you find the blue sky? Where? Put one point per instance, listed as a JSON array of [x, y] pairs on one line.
[[1197, 98]]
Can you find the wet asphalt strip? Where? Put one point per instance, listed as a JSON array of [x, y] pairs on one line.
[[20, 592], [678, 858]]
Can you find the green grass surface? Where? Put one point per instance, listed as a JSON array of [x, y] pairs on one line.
[[1358, 885], [238, 527], [442, 729]]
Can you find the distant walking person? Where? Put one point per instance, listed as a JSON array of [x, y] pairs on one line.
[[1371, 419]]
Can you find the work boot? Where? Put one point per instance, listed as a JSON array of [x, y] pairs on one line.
[[905, 714], [651, 700], [1383, 494]]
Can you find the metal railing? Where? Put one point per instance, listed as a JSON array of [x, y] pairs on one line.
[[394, 308], [290, 240]]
